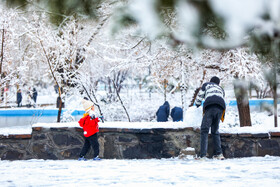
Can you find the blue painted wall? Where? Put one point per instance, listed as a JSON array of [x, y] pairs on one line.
[[54, 112], [36, 112], [252, 102], [257, 102]]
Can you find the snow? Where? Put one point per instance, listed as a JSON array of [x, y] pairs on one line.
[[261, 123], [22, 130], [120, 124], [252, 171], [237, 21], [166, 125]]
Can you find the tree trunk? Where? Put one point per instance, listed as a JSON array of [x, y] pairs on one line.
[[1, 64], [194, 96], [121, 101], [241, 94], [271, 78], [196, 91], [165, 87], [275, 105], [2, 51], [274, 93], [59, 105], [183, 87]]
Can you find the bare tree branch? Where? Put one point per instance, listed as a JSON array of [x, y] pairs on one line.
[[121, 101]]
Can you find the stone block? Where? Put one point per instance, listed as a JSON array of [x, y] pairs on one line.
[[16, 136], [140, 131], [268, 147], [106, 130], [43, 151], [275, 134], [187, 153], [71, 153], [79, 129], [197, 130], [65, 140], [225, 135], [260, 135], [160, 130], [151, 138], [39, 136], [3, 137], [245, 135], [135, 152], [127, 139], [12, 155], [3, 147], [61, 129], [20, 136], [36, 128], [111, 150]]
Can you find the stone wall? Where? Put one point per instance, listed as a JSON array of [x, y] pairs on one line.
[[66, 143]]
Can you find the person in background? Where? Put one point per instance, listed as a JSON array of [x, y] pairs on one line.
[[29, 98], [34, 96], [163, 112], [177, 114], [214, 110], [89, 123], [19, 98], [56, 88]]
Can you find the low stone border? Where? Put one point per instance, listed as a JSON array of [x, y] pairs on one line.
[[125, 143]]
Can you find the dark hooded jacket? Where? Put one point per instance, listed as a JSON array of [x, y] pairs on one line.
[[19, 97], [163, 112], [212, 93], [177, 114]]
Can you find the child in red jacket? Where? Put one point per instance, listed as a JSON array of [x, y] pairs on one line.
[[90, 126]]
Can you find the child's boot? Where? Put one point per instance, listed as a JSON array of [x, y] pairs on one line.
[[97, 158], [82, 158]]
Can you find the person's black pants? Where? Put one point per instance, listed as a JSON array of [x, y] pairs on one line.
[[93, 142], [211, 119]]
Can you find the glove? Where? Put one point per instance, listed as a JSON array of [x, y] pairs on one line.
[[101, 118]]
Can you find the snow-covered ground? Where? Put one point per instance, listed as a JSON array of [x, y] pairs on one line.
[[253, 171]]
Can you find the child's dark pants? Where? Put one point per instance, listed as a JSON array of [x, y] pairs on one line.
[[93, 142]]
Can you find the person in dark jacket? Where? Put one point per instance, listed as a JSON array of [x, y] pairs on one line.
[[177, 114], [19, 98], [214, 108], [34, 95], [163, 112]]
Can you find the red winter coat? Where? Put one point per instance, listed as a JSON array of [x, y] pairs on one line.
[[89, 125]]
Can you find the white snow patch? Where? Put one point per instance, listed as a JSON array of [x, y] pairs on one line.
[[193, 116], [56, 125], [252, 171], [120, 124], [16, 130]]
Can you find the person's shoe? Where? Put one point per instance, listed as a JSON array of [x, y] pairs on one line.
[[96, 158], [204, 158], [219, 157], [82, 158]]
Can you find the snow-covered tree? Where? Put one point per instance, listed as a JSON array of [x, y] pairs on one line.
[[15, 51], [83, 47]]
